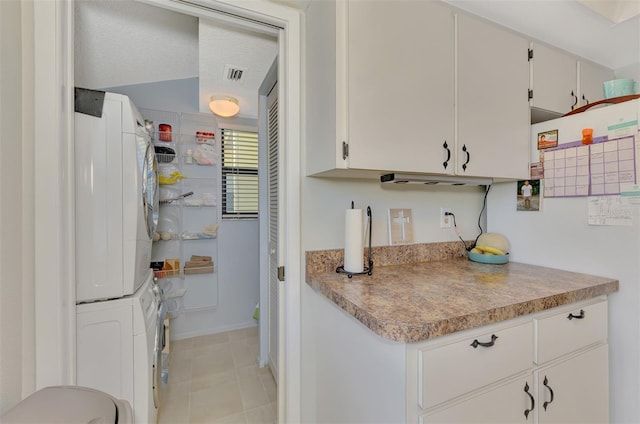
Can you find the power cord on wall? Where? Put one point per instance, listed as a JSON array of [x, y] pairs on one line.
[[455, 226]]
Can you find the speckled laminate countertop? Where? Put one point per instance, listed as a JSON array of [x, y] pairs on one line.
[[419, 301]]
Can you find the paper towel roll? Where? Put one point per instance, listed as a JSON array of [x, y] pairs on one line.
[[353, 241]]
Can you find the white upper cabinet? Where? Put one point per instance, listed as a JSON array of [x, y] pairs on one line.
[[493, 106], [590, 78], [380, 82], [560, 80], [555, 79], [399, 85], [381, 92]]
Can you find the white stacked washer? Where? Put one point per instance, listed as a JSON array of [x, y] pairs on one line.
[[118, 307], [119, 349]]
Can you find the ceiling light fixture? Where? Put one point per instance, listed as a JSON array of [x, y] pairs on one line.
[[224, 106]]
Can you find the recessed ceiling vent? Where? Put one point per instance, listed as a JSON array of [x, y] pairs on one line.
[[234, 74]]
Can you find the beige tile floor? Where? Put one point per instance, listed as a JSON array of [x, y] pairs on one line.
[[215, 379]]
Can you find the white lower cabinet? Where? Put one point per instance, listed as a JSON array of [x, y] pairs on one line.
[[551, 367], [491, 374], [575, 390]]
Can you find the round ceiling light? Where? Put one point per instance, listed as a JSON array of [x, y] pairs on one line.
[[224, 106]]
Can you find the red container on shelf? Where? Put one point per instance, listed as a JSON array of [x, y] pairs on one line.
[[164, 132], [205, 137]]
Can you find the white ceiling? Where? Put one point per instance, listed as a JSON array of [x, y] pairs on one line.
[[126, 42]]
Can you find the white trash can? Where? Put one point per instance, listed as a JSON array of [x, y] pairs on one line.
[[70, 405]]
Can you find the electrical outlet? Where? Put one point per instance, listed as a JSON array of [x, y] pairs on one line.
[[446, 221]]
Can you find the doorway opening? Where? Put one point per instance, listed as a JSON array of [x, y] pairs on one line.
[[273, 348]]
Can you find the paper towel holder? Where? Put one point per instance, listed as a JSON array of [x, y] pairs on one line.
[[368, 270]]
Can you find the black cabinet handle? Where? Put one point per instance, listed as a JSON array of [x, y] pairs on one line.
[[533, 402], [476, 343], [581, 316], [464, 149], [585, 100], [575, 97], [546, 384], [446, 162]]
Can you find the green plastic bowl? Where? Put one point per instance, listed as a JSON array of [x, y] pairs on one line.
[[488, 259]]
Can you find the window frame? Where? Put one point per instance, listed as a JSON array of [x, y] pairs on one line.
[[226, 171]]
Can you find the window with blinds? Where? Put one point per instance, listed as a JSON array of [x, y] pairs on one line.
[[239, 150]]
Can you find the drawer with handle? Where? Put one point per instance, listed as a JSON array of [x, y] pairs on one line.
[[567, 331], [451, 370]]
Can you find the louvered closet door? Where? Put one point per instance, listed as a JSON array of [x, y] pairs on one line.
[[274, 230]]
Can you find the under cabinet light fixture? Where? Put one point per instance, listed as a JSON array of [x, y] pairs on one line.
[[224, 106], [433, 180]]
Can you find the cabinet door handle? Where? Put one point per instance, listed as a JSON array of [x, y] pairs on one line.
[[446, 147], [581, 316], [476, 343], [585, 100], [546, 384], [575, 102], [464, 149], [533, 402]]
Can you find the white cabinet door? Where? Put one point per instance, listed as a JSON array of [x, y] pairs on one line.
[[576, 390], [400, 58], [493, 105], [591, 78], [554, 79], [505, 404]]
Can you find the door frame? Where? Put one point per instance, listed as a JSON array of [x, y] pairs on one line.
[[270, 79], [54, 187]]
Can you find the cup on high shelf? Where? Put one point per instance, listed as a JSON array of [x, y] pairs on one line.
[[587, 136]]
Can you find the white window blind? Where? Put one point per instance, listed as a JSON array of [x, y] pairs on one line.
[[239, 151]]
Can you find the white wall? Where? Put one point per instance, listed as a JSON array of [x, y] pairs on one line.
[[325, 200], [632, 71], [11, 277], [238, 241]]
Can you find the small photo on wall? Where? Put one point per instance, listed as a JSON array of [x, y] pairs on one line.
[[547, 139], [528, 196]]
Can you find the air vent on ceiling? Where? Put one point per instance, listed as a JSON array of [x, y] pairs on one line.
[[234, 73]]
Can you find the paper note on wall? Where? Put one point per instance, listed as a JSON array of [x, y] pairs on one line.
[[630, 194], [623, 126], [609, 210]]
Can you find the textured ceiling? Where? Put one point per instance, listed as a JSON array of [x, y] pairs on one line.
[[124, 43], [223, 45]]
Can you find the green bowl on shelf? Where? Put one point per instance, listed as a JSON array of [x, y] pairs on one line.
[[488, 259]]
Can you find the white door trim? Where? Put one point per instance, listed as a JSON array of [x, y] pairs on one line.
[[54, 264]]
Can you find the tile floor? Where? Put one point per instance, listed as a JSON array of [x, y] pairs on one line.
[[215, 379]]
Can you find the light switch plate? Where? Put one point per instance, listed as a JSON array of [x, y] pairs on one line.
[[400, 226]]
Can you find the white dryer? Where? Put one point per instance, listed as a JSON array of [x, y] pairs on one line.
[[119, 345], [116, 198]]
